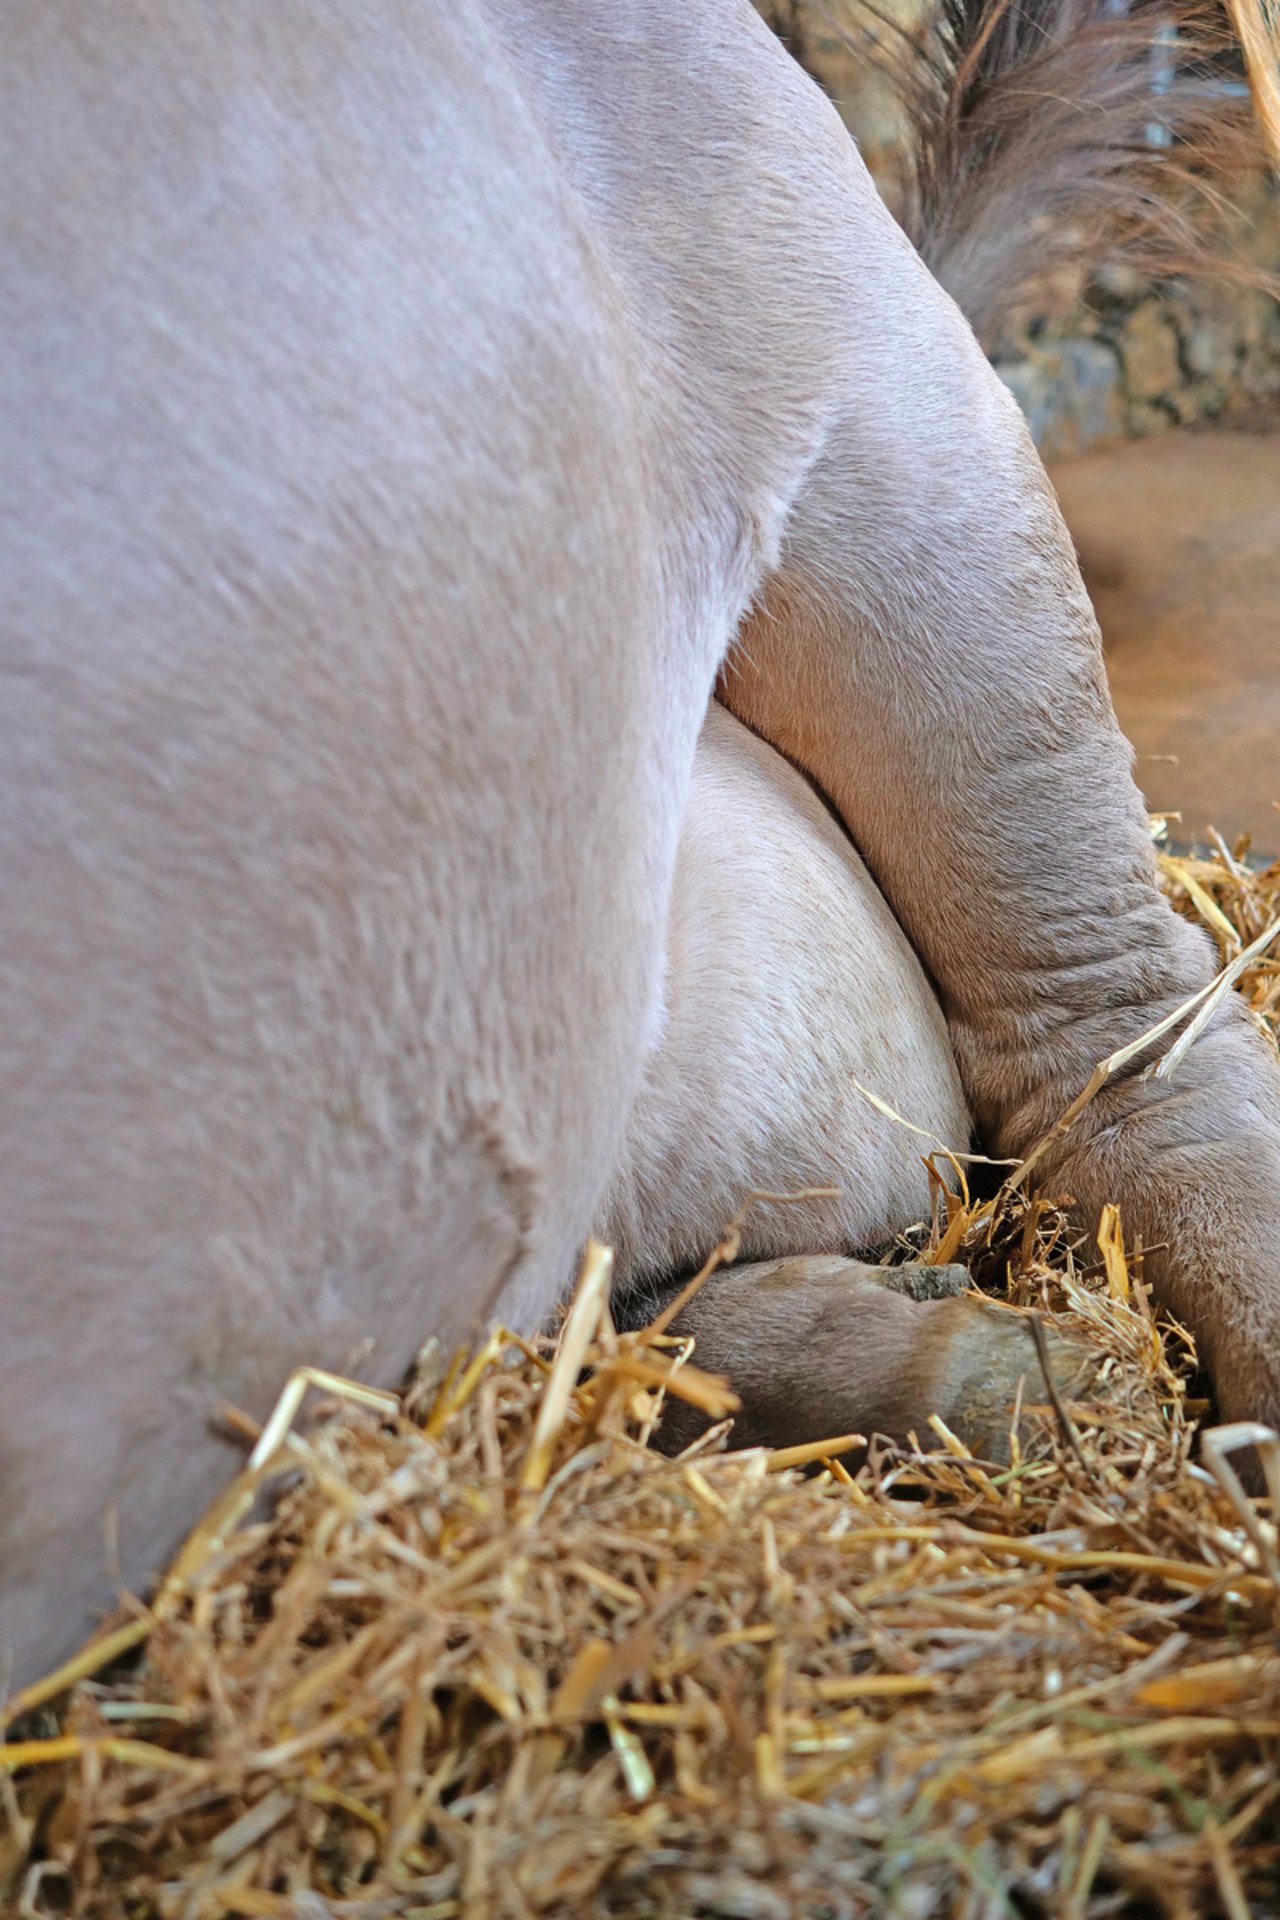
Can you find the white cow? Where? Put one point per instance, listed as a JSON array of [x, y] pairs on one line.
[[414, 412]]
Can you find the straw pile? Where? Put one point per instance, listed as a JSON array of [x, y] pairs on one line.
[[487, 1654]]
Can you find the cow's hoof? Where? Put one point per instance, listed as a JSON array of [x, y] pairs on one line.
[[994, 1369], [925, 1283]]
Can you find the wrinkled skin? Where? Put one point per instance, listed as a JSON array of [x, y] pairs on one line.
[[401, 445]]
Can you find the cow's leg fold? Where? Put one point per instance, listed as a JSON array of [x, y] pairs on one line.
[[795, 1014]]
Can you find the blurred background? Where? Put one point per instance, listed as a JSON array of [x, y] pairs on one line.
[[1088, 179]]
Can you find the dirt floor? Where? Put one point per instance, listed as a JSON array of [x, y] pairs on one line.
[[1179, 537]]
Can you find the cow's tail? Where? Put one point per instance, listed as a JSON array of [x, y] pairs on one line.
[[1052, 134]]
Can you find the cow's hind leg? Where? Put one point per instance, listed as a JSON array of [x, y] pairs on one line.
[[926, 651], [818, 1347]]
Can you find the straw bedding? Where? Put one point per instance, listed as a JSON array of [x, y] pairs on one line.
[[485, 1653]]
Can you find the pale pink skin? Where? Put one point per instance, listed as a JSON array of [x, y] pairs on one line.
[[399, 445]]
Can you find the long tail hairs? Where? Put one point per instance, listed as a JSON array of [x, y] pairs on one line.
[[1051, 134], [1257, 25]]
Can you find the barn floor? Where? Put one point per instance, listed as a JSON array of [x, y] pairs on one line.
[[1179, 537]]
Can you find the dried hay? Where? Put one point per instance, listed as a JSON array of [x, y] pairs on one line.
[[490, 1655]]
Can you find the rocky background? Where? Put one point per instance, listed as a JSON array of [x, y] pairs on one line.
[[1116, 355]]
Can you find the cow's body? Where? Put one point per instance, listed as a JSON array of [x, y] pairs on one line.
[[406, 407]]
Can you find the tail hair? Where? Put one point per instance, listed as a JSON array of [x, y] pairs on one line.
[[1257, 25], [1052, 134]]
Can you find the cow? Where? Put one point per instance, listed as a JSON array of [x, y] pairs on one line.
[[535, 648]]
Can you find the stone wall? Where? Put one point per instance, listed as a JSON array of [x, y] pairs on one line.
[[1118, 356], [1126, 357]]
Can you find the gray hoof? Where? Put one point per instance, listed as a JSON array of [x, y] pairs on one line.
[[925, 1283]]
